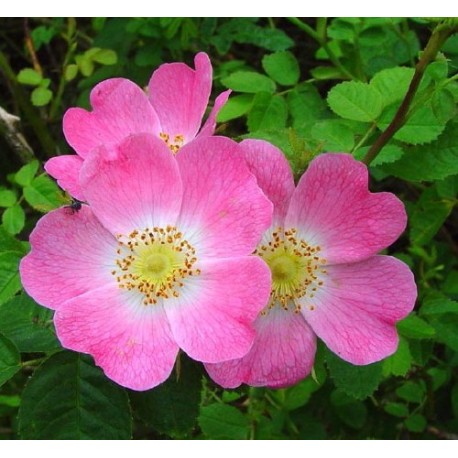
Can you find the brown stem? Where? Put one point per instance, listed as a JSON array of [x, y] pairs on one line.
[[437, 39]]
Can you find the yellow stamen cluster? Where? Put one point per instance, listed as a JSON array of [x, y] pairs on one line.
[[296, 266], [174, 145], [154, 261]]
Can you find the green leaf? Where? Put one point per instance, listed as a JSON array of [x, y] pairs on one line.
[[437, 70], [42, 194], [172, 408], [220, 421], [9, 243], [10, 360], [235, 107], [356, 101], [282, 67], [10, 283], [397, 409], [13, 219], [415, 328], [105, 57], [399, 363], [438, 304], [298, 395], [416, 423], [326, 73], [29, 76], [25, 174], [69, 398], [352, 413], [455, 400], [28, 325], [411, 392], [70, 72], [268, 112], [389, 153], [443, 105], [85, 64], [392, 83], [434, 161], [334, 136], [10, 400], [41, 96], [446, 327], [250, 82], [356, 381], [7, 198], [305, 106], [267, 38]]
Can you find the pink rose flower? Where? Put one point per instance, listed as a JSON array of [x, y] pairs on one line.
[[172, 110], [327, 280], [160, 259]]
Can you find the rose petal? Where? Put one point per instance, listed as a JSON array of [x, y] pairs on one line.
[[210, 124], [66, 170]]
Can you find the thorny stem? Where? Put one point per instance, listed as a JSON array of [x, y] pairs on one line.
[[437, 39], [324, 44]]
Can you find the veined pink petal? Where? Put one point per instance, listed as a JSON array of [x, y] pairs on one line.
[[213, 317], [120, 109], [210, 124], [333, 208], [133, 186], [282, 354], [356, 309], [132, 343], [66, 170], [270, 167], [224, 212], [180, 96], [71, 255]]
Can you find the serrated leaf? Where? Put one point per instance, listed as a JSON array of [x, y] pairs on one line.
[[28, 325], [250, 82], [443, 105], [7, 198], [356, 381], [282, 67], [411, 392], [41, 96], [172, 408], [70, 72], [10, 243], [392, 83], [10, 360], [438, 304], [69, 398], [264, 37], [416, 423], [10, 283], [356, 101], [221, 421], [235, 107], [446, 327], [334, 136], [388, 154], [437, 70], [25, 174], [42, 194], [268, 112], [13, 219], [305, 106], [399, 363], [29, 76], [105, 57], [415, 328], [397, 409]]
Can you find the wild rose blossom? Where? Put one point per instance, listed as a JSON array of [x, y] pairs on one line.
[[172, 110], [327, 280], [160, 259]]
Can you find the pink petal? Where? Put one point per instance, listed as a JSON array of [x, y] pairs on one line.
[[356, 309], [282, 354], [224, 212], [120, 108], [270, 167], [213, 317], [332, 207], [180, 96], [133, 186], [132, 343], [66, 170], [210, 124], [71, 255]]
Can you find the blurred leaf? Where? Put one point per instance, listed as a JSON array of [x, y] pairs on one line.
[[41, 96], [105, 57], [416, 423], [352, 413], [10, 283], [411, 392], [282, 67], [334, 136], [443, 105], [392, 83], [250, 82], [356, 101], [69, 398], [235, 107], [389, 153], [397, 409], [29, 76], [437, 70], [7, 198], [25, 174], [70, 72], [221, 421], [268, 112], [85, 64], [415, 328], [172, 408], [446, 327], [305, 106], [10, 243], [399, 363], [326, 73], [299, 394], [10, 360], [28, 325], [42, 194], [10, 400], [437, 304], [13, 219], [454, 399], [356, 381]]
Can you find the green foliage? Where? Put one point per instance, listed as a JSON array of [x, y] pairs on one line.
[[9, 359], [221, 421], [282, 67]]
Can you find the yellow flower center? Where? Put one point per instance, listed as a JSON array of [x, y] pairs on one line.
[[155, 262], [174, 144], [296, 267]]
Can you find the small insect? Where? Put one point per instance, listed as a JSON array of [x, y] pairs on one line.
[[75, 206]]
